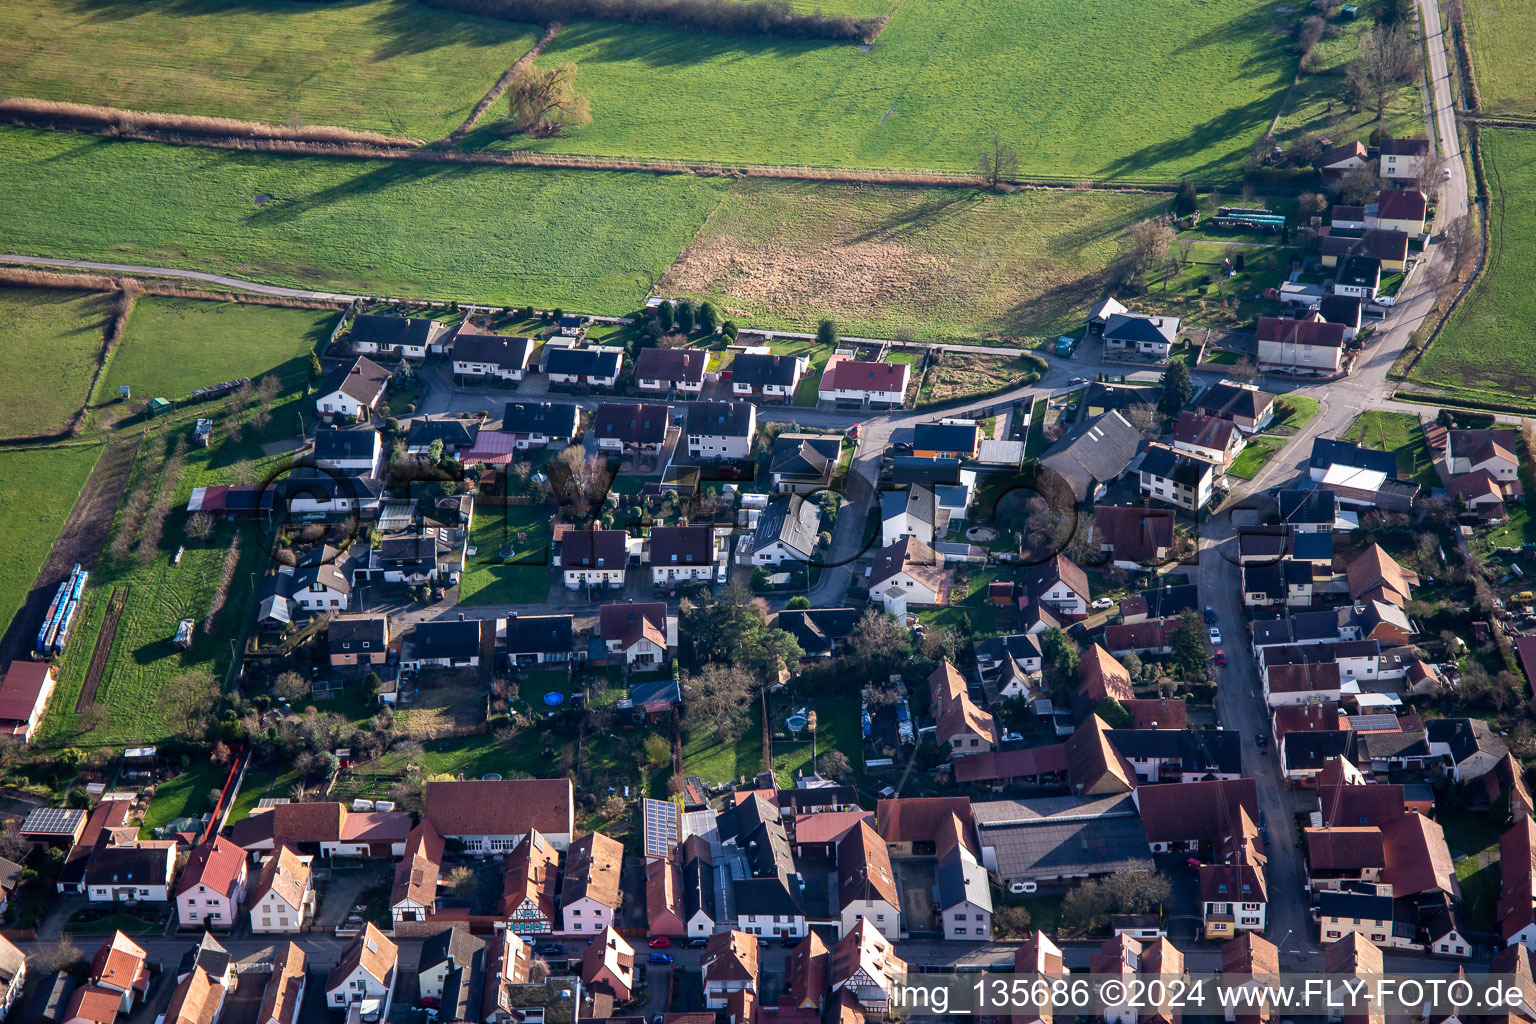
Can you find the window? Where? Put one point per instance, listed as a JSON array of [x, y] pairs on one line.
[[266, 922]]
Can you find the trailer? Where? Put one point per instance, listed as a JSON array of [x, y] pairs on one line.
[[66, 620], [202, 433], [50, 621], [184, 634]]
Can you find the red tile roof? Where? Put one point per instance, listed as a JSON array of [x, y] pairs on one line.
[[219, 865], [486, 807], [1300, 332], [853, 375]]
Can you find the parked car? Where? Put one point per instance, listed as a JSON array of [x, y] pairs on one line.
[[1221, 658], [1215, 635], [661, 958], [1264, 836], [659, 942], [549, 949], [1263, 739], [1101, 603], [1210, 615]]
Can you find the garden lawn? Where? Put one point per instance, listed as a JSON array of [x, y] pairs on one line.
[[1477, 356], [185, 796], [173, 346], [1148, 90], [259, 783], [1297, 413], [1503, 38], [523, 580], [1257, 452], [493, 234], [41, 486], [57, 336], [716, 761], [1400, 433], [936, 264], [474, 756], [392, 66], [837, 728]]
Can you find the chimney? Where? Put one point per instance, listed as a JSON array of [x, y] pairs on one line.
[[461, 616]]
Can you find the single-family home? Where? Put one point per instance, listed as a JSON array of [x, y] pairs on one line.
[[212, 885], [699, 908], [822, 632], [13, 975], [395, 336], [529, 887], [595, 367], [1344, 310], [666, 370], [683, 553], [485, 356], [866, 885], [283, 898], [1484, 451], [1216, 440], [1234, 897], [1179, 479], [541, 424], [283, 993], [1060, 585], [541, 639], [772, 378], [589, 897], [1359, 276], [413, 897], [135, 872], [962, 727], [852, 381], [443, 956], [729, 964], [721, 430], [325, 829], [494, 815], [631, 426], [608, 966], [24, 694], [1135, 539], [1334, 163], [864, 964], [664, 909], [1403, 159], [1468, 746], [964, 895], [1387, 246], [1400, 209], [352, 450], [913, 511], [1306, 346], [312, 496], [786, 531], [1094, 454], [363, 980], [593, 558], [1346, 218], [947, 439], [1360, 476], [637, 633], [457, 435], [908, 573], [1244, 404], [354, 391], [803, 463], [446, 643], [357, 640], [118, 981], [1146, 335]]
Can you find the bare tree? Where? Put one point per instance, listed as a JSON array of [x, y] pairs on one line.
[[1308, 36], [542, 101], [1385, 60], [290, 686], [999, 162], [58, 957], [1150, 240], [719, 697], [200, 526], [1145, 417], [1243, 370], [1358, 186]]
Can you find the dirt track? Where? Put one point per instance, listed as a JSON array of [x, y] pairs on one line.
[[103, 648], [84, 534]]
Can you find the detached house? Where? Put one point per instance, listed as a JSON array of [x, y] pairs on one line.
[[583, 367], [593, 558], [962, 727], [589, 899], [458, 436], [947, 439], [1136, 539], [770, 377], [665, 370], [354, 392], [1403, 159], [363, 982], [721, 430], [442, 644], [907, 573], [211, 886], [283, 898], [637, 633], [1250, 409], [804, 463], [1145, 335], [786, 531], [1178, 479], [356, 450], [490, 356], [912, 512], [357, 640], [541, 639], [1400, 210], [683, 553], [1216, 440], [541, 424], [1310, 346], [395, 336], [880, 385], [631, 427], [138, 872]]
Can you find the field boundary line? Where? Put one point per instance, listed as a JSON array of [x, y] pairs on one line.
[[502, 84], [103, 649]]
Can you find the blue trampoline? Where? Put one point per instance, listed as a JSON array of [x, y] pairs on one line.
[[554, 699]]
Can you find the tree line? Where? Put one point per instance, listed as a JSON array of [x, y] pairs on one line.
[[769, 19]]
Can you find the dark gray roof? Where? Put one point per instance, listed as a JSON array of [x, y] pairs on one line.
[[1330, 452], [1381, 746], [720, 419], [1050, 837], [1019, 646], [698, 888], [632, 422], [944, 437], [582, 362], [1311, 507], [1360, 271], [916, 501], [1176, 466], [538, 634], [1313, 547], [960, 879], [818, 628], [451, 639], [806, 456], [654, 691], [452, 432], [762, 370], [362, 632], [1311, 750], [1227, 401], [1097, 451], [553, 419], [510, 353], [1354, 904], [914, 469], [791, 519], [455, 946], [1465, 737], [1163, 602], [1266, 578], [1206, 750], [1340, 309], [355, 443], [766, 896], [389, 331], [1139, 327]]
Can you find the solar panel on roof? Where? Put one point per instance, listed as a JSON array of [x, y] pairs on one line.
[[53, 820], [662, 827]]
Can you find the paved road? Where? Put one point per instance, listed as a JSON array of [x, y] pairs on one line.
[[236, 283]]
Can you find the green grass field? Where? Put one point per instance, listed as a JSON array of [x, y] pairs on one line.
[[1149, 90], [173, 346], [939, 264], [486, 580], [1257, 452], [57, 336], [1397, 432], [595, 242], [1292, 412], [390, 65], [185, 796], [41, 487], [1503, 38], [1479, 355]]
